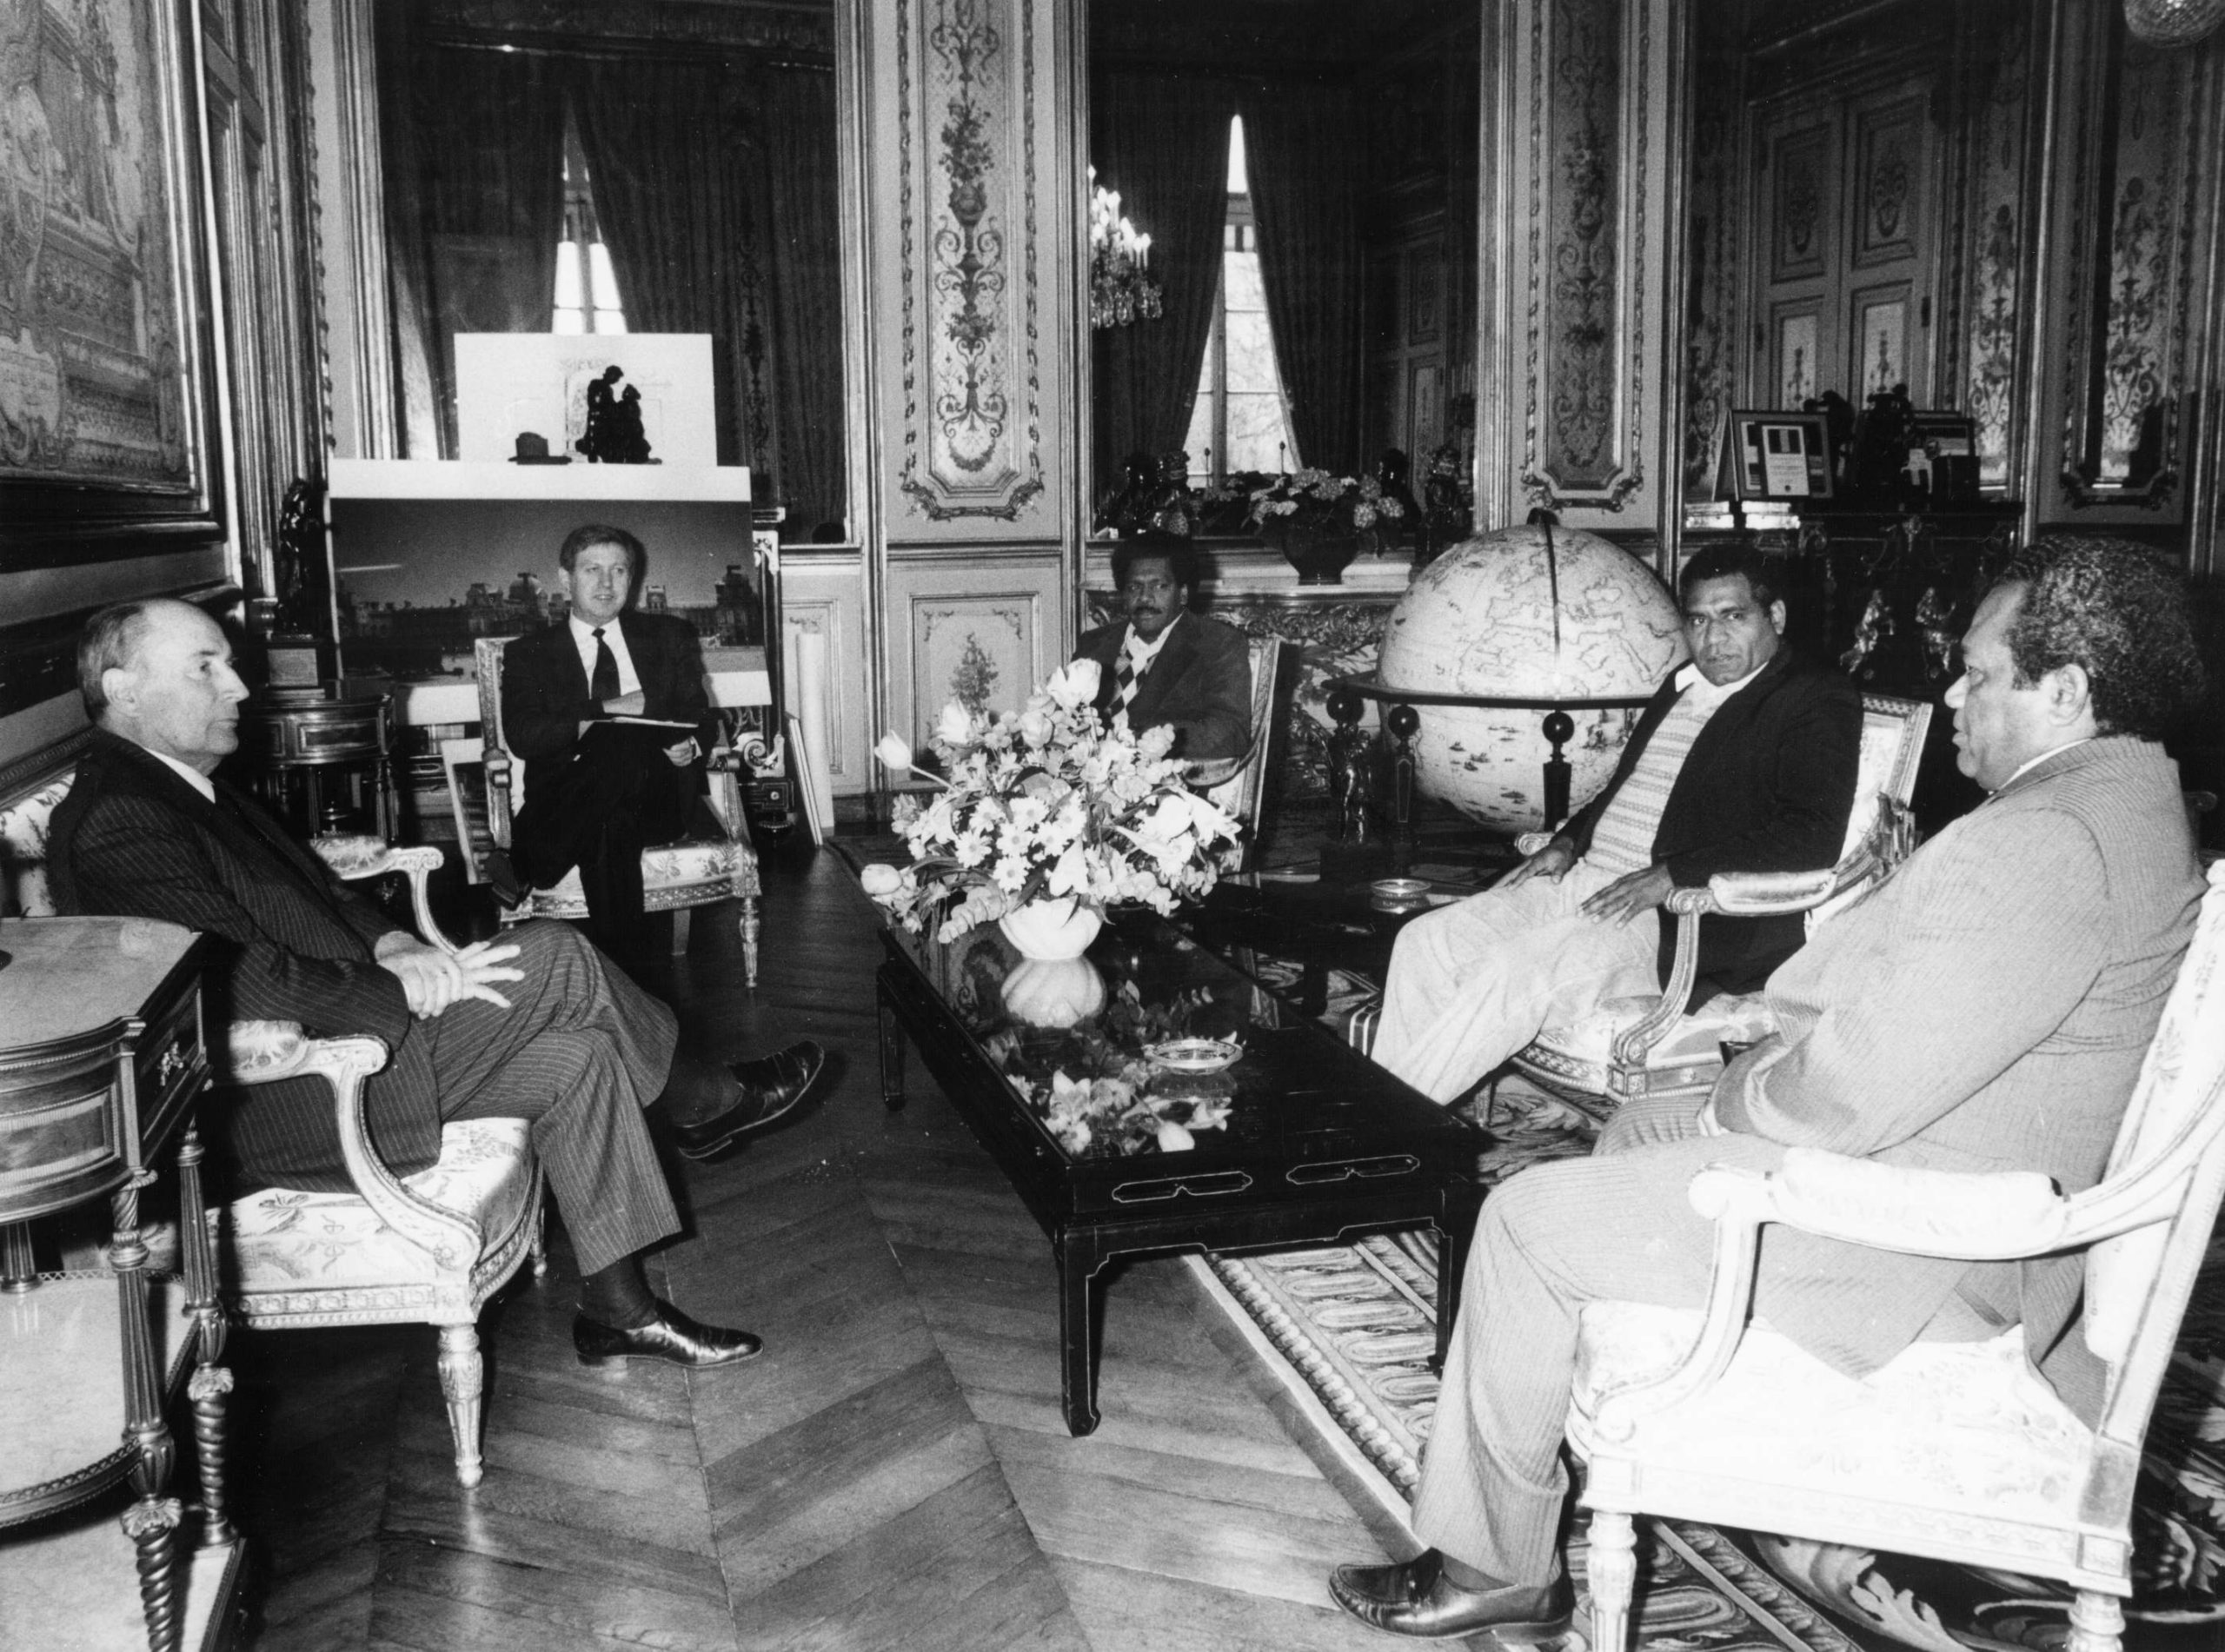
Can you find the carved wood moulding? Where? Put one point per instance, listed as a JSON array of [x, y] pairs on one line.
[[970, 347]]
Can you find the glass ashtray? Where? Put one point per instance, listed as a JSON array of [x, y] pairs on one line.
[[1400, 891], [1195, 1055]]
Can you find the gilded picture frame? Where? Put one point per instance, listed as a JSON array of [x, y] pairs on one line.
[[108, 384]]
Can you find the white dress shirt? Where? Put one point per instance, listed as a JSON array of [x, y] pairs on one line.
[[583, 639]]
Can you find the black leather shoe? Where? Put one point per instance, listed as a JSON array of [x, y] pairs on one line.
[[673, 1337], [1416, 1599], [767, 1089], [503, 877]]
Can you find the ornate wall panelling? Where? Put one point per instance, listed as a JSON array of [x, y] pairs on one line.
[[983, 628], [822, 592], [348, 204], [1584, 230], [256, 88], [972, 269], [2140, 282], [1991, 335], [1714, 249]]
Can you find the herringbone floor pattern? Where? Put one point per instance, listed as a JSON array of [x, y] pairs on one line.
[[892, 1472]]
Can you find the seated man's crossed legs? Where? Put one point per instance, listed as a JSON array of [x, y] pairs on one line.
[[1471, 983], [581, 1053]]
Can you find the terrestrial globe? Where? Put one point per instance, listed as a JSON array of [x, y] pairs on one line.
[[1537, 619]]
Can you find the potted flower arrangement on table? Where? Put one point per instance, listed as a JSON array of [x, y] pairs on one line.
[[1042, 818], [1318, 520]]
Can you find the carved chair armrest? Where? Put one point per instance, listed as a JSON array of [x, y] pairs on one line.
[[264, 1052], [1530, 842], [354, 857], [1974, 1216]]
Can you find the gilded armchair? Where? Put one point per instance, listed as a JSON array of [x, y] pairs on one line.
[[1956, 1450]]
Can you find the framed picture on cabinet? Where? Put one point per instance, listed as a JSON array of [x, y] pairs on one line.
[[108, 381], [1779, 455]]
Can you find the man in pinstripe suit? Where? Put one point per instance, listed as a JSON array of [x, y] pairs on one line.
[[1988, 1008], [537, 1028]]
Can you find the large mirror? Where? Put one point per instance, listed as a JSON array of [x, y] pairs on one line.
[[594, 170], [1304, 171]]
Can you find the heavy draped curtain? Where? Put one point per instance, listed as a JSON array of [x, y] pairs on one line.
[[1162, 141], [802, 194], [474, 187], [1302, 147], [666, 145]]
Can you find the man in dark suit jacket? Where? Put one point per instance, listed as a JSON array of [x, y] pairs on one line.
[[596, 791], [1988, 1008], [1166, 666], [536, 1027], [1745, 760]]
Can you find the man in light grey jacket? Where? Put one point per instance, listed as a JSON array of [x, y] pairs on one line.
[[1987, 1008]]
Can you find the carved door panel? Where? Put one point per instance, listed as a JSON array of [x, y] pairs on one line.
[[1847, 206]]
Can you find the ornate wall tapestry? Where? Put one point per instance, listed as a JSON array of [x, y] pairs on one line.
[[2127, 376], [973, 426], [104, 386], [1996, 232]]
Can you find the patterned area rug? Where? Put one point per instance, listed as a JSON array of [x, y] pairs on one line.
[[1351, 1327]]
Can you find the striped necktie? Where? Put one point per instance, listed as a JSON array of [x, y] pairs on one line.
[[1124, 684]]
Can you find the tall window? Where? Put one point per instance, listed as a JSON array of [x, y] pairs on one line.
[[1241, 418], [587, 286]]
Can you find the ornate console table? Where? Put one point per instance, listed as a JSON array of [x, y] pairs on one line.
[[103, 1065]]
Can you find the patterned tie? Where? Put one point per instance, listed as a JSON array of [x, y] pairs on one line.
[[604, 684], [1124, 685]]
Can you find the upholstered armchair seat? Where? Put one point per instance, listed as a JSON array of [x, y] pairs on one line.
[[1581, 1054], [674, 878], [331, 1255]]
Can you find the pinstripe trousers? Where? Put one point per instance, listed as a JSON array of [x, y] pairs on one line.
[[580, 1052]]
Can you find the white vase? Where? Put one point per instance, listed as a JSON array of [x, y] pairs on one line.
[[1052, 930], [1054, 992]]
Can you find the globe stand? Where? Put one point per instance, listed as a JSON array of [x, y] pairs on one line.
[[1402, 719]]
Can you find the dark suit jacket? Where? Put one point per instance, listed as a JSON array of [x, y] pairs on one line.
[[545, 700], [289, 942], [1767, 787], [1201, 684]]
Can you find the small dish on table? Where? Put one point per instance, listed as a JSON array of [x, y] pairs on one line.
[[1195, 1055]]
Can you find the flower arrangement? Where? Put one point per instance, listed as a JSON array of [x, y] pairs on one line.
[[1313, 502], [1046, 803]]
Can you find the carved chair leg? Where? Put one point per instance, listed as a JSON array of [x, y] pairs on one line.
[[463, 1376], [1613, 1574], [749, 919], [2097, 1623], [211, 1380]]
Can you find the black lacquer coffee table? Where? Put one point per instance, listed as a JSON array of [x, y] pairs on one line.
[[1317, 1141]]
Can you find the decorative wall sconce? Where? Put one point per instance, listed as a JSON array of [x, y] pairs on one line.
[[1120, 290], [2172, 22]]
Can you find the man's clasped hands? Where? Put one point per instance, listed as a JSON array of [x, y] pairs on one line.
[[434, 981]]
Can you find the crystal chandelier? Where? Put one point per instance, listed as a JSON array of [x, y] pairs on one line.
[[1120, 293], [2172, 22]]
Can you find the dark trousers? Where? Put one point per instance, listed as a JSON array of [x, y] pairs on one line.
[[620, 795], [579, 1053]]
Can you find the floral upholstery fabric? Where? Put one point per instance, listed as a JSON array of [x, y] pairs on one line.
[[284, 1238], [1971, 1422], [677, 875]]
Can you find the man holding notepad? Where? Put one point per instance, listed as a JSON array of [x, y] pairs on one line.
[[608, 713]]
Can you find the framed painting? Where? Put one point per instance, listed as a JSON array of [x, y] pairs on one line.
[[1780, 455], [107, 366]]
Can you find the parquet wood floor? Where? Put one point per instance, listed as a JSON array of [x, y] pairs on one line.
[[892, 1472]]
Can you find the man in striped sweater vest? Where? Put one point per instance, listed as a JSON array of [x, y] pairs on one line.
[[1745, 761]]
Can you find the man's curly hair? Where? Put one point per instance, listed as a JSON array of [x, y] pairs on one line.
[[2119, 611]]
